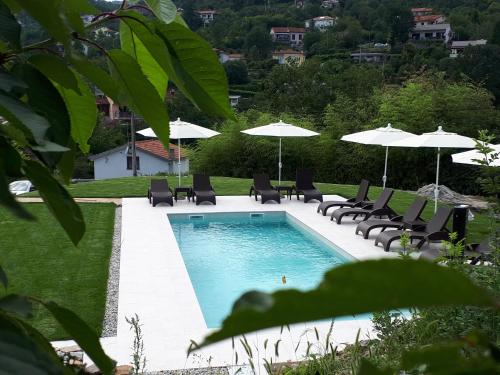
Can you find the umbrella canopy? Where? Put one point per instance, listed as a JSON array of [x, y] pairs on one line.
[[280, 129], [380, 136], [470, 157], [182, 130], [438, 139]]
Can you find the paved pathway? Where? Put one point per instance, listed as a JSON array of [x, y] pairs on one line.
[[117, 201]]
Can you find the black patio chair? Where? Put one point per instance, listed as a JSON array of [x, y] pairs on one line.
[[202, 189], [360, 199], [262, 186], [304, 185], [159, 191]]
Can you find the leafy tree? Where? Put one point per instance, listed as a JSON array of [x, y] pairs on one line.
[[236, 72], [258, 43]]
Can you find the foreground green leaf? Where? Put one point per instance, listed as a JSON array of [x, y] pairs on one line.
[[56, 70], [50, 16], [3, 278], [100, 78], [196, 69], [352, 289], [86, 338], [25, 351], [165, 10], [132, 45], [82, 112], [16, 304], [10, 30], [145, 98], [58, 200]]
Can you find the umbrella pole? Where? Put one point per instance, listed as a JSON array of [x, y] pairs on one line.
[[179, 162], [384, 178], [436, 187], [279, 166]]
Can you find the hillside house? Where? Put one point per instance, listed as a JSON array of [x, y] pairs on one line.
[[329, 4], [433, 32], [226, 56], [151, 158], [289, 35], [207, 15], [458, 46], [320, 23], [289, 57], [421, 11]]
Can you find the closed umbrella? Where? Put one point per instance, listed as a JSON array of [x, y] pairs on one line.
[[182, 130], [280, 129], [471, 156], [438, 139], [380, 136]]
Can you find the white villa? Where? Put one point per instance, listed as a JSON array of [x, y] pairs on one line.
[[289, 56], [206, 15], [291, 35], [433, 32], [151, 158], [320, 23]]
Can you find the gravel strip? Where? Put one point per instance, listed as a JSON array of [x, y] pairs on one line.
[[109, 326]]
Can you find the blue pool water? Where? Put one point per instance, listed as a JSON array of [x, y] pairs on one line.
[[231, 253]]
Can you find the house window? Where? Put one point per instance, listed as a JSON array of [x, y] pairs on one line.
[[171, 153], [428, 35], [293, 36], [129, 163], [300, 36]]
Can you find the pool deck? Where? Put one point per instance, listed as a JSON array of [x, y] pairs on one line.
[[155, 285]]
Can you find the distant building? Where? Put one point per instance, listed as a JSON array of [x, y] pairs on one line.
[[234, 100], [151, 158], [291, 35], [430, 19], [226, 56], [421, 11], [458, 46], [206, 15], [111, 110], [370, 57], [320, 23], [434, 32], [328, 4], [289, 57]]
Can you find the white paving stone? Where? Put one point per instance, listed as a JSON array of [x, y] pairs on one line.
[[155, 285]]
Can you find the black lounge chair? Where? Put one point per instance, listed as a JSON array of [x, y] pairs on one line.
[[304, 185], [434, 230], [411, 217], [378, 208], [159, 191], [262, 185], [360, 198], [202, 189]]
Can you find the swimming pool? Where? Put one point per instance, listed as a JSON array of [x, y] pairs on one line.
[[227, 254]]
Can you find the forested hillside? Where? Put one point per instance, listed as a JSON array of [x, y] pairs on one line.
[[365, 68]]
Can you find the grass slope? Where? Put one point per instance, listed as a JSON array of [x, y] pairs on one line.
[[137, 187], [40, 260]]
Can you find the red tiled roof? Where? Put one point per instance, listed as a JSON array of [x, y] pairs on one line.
[[288, 29], [421, 9], [428, 18], [287, 52], [155, 147]]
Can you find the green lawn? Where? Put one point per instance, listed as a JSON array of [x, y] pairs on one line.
[[40, 260], [137, 187]]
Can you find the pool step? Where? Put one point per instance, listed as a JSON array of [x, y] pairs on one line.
[[196, 217]]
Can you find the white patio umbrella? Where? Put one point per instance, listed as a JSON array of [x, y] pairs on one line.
[[438, 139], [281, 130], [470, 157], [182, 130], [380, 136]]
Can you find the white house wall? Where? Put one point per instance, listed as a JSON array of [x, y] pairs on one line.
[[115, 165]]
